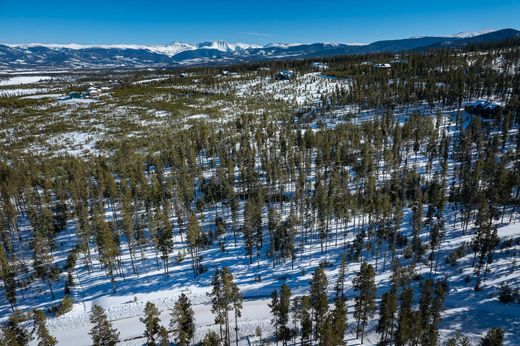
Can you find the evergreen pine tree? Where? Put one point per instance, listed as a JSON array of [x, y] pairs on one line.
[[272, 226], [43, 266], [319, 301], [14, 334], [193, 238], [275, 311], [335, 326], [217, 302], [8, 276], [151, 322], [102, 332], [164, 241], [364, 306], [494, 337], [233, 298], [225, 297], [211, 339], [280, 305], [387, 312], [108, 246], [164, 337], [306, 319], [403, 333], [340, 283], [458, 340], [485, 238], [42, 333], [431, 304], [182, 321]]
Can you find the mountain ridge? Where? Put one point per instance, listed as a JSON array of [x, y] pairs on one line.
[[36, 55]]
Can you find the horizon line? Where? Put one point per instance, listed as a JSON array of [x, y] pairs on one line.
[[151, 45]]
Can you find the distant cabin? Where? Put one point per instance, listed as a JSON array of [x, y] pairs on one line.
[[398, 61], [320, 66], [383, 66], [284, 75], [483, 108], [93, 92]]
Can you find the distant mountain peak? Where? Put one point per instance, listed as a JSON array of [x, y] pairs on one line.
[[282, 45], [172, 49], [468, 34], [226, 46]]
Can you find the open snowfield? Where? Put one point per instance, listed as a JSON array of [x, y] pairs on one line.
[[23, 80]]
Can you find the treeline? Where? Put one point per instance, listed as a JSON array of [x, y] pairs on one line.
[[439, 77]]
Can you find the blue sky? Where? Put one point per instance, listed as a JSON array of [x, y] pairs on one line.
[[160, 21]]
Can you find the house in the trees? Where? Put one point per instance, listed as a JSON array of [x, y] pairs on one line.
[[285, 75], [383, 66], [398, 60], [93, 92], [483, 108], [319, 66]]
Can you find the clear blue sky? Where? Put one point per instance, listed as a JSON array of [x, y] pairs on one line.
[[161, 21]]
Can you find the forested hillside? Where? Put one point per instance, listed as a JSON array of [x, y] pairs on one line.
[[352, 205]]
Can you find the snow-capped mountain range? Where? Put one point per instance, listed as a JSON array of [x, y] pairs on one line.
[[170, 50], [37, 55], [469, 34]]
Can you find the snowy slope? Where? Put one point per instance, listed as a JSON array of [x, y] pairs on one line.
[[466, 310]]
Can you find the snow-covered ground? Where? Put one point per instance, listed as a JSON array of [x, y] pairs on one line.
[[150, 80], [27, 79], [466, 310], [42, 96], [308, 88], [21, 92]]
